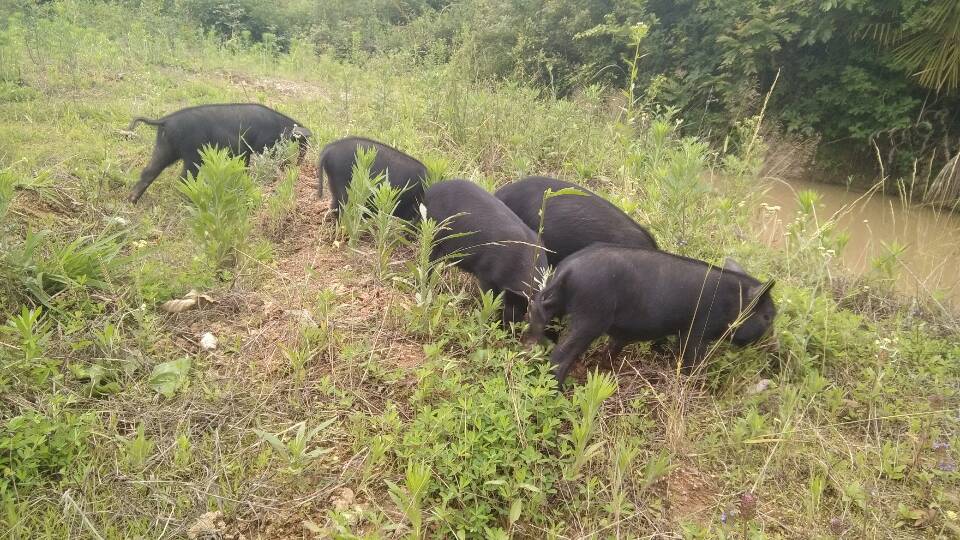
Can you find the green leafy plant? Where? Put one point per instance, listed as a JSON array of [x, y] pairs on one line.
[[489, 307], [409, 499], [378, 450], [437, 170], [222, 198], [621, 467], [887, 264], [423, 276], [169, 377], [493, 440], [283, 202], [38, 449], [639, 32], [385, 228], [26, 362], [107, 339], [297, 356], [588, 399], [41, 267], [7, 185], [268, 165], [296, 450], [137, 449], [355, 211], [183, 452], [656, 469], [100, 380], [890, 462], [815, 489]]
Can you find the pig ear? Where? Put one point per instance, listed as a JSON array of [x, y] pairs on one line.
[[730, 264], [760, 290]]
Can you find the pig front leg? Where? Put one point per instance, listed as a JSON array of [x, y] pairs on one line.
[[573, 343]]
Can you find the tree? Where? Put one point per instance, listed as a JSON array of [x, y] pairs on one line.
[[929, 47]]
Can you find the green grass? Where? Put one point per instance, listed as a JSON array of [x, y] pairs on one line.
[[357, 391]]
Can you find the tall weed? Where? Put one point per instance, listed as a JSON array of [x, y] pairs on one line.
[[7, 184], [40, 267], [423, 276], [222, 198], [355, 211], [24, 358], [588, 399], [384, 227], [283, 202]]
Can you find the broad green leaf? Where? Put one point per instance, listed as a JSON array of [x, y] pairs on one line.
[[274, 441], [169, 377], [319, 452], [515, 510]]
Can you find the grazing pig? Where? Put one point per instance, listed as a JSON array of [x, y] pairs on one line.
[[642, 295], [401, 170], [243, 128], [494, 244], [572, 222]]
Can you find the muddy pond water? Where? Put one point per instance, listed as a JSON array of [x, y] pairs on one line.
[[930, 260]]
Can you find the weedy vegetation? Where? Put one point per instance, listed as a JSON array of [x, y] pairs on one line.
[[356, 389]]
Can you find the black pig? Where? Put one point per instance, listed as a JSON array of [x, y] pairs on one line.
[[494, 244], [402, 171], [642, 295], [243, 128], [572, 222]]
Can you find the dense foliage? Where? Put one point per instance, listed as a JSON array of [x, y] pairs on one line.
[[868, 79]]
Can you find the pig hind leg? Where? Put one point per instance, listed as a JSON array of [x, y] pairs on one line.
[[614, 348], [191, 165], [338, 192], [163, 156]]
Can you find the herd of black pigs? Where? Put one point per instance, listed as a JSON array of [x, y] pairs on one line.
[[610, 278]]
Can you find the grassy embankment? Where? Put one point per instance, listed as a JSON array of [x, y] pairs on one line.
[[432, 421]]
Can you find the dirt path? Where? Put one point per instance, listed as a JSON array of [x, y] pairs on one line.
[[310, 260]]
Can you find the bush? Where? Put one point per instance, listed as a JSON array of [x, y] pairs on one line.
[[36, 449], [222, 197], [492, 441], [25, 362]]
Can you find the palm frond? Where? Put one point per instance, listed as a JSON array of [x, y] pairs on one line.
[[932, 53]]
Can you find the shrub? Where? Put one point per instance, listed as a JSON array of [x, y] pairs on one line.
[[222, 196], [36, 449], [25, 362], [492, 441]]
